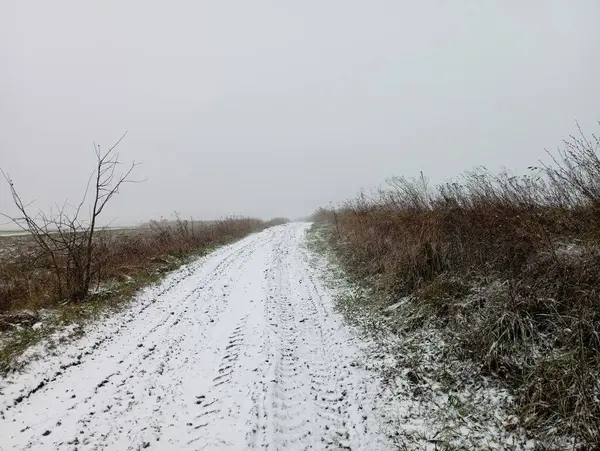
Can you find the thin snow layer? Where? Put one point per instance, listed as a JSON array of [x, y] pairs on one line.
[[432, 401], [238, 350]]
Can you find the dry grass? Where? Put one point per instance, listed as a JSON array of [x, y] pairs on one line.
[[27, 282], [508, 264]]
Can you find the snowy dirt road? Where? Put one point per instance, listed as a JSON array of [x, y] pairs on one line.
[[239, 350]]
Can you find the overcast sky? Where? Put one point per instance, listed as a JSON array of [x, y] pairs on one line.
[[269, 108]]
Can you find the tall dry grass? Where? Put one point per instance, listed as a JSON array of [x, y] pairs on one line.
[[510, 264], [27, 281]]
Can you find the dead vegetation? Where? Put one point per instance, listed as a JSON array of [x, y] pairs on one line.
[[30, 282], [507, 266]]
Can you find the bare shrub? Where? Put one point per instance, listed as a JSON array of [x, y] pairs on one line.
[[65, 238]]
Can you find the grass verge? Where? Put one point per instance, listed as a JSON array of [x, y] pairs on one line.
[[437, 401], [505, 269]]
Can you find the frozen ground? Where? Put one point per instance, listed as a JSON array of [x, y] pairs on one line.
[[238, 350]]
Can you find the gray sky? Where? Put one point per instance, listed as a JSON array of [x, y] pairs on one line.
[[269, 108]]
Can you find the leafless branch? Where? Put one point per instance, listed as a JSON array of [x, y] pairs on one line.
[[61, 235]]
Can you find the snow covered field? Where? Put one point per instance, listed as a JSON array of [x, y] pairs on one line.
[[238, 350]]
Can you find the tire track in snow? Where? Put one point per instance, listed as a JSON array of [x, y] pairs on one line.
[[205, 315], [287, 391], [232, 349], [238, 351], [213, 408], [303, 366]]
